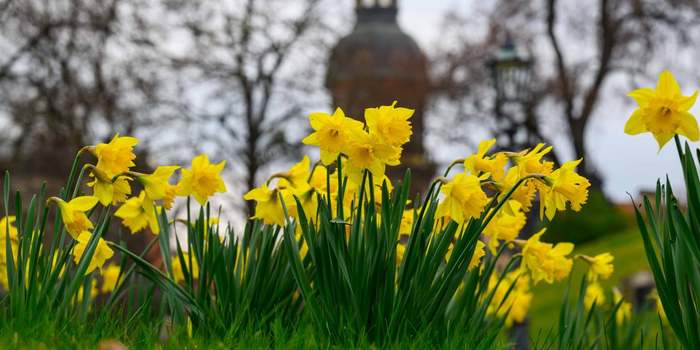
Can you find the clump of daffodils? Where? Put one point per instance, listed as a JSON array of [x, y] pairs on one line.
[[495, 188], [112, 179]]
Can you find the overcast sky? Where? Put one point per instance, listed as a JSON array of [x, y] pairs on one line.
[[628, 163]]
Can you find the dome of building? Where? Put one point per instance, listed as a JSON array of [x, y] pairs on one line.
[[377, 64]]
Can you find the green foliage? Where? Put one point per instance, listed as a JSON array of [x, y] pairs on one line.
[[596, 219], [353, 287], [672, 244], [228, 286], [42, 280]]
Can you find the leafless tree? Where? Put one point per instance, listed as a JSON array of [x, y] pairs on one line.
[[578, 46], [252, 68]]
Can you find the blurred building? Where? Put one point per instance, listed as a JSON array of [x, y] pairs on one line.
[[376, 64]]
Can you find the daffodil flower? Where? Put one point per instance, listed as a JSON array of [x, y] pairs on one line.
[[663, 111], [546, 261], [268, 207], [202, 179], [390, 123], [156, 185], [73, 213], [137, 213], [331, 133], [464, 198], [600, 266], [565, 186], [480, 163], [102, 251], [109, 190], [117, 156]]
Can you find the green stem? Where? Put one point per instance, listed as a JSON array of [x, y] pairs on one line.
[[73, 169]]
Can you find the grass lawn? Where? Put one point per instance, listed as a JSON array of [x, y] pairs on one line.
[[628, 249]]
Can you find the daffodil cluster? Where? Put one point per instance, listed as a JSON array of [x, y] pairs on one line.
[[112, 179]]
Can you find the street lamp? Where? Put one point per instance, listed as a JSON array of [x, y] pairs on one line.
[[511, 74]]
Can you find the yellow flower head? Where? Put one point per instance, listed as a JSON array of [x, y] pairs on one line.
[[479, 253], [202, 180], [7, 228], [505, 225], [169, 197], [137, 213], [530, 161], [117, 156], [297, 176], [464, 198], [106, 191], [515, 302], [390, 124], [157, 185], [268, 207], [73, 213], [331, 133], [179, 273], [367, 151], [525, 193], [102, 251], [663, 111], [600, 266], [480, 163], [109, 278], [594, 295], [406, 222], [546, 261], [566, 187], [624, 312]]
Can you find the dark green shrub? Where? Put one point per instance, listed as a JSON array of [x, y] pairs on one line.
[[598, 218]]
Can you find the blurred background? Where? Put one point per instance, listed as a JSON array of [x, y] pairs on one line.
[[236, 79]]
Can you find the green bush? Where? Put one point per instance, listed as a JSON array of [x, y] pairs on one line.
[[597, 218]]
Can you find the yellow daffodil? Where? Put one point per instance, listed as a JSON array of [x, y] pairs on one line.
[[73, 213], [202, 180], [108, 191], [366, 151], [515, 301], [663, 111], [464, 199], [480, 163], [505, 225], [390, 123], [117, 156], [157, 184], [406, 224], [297, 176], [179, 273], [566, 186], [624, 312], [479, 253], [599, 266], [530, 161], [102, 251], [169, 197], [331, 133], [594, 295], [545, 261], [7, 230], [110, 275], [137, 213], [268, 207], [524, 194]]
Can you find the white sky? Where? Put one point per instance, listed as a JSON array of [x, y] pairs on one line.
[[628, 163]]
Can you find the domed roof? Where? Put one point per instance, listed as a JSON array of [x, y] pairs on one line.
[[376, 49]]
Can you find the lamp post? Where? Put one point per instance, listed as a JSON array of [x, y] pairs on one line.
[[511, 74]]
